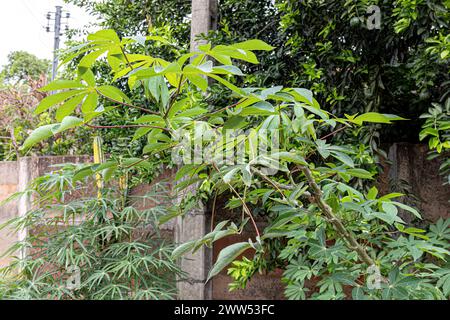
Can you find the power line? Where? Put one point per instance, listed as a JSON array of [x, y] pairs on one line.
[[39, 21]]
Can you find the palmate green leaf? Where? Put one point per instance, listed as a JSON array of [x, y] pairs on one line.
[[227, 69], [261, 108], [47, 131], [343, 158], [183, 249], [389, 215], [227, 84], [68, 107], [444, 282], [235, 53], [55, 99], [285, 218], [90, 103], [88, 60], [374, 117], [407, 208], [88, 77], [228, 177], [156, 147], [91, 169], [190, 113], [140, 132], [290, 157], [372, 194], [253, 44], [107, 35], [194, 76], [227, 256], [360, 173], [436, 251], [150, 118], [302, 95], [113, 93], [61, 85], [235, 122], [157, 70]]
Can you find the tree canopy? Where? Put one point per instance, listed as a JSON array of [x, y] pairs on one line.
[[23, 66]]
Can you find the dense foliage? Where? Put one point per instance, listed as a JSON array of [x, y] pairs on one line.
[[116, 250], [322, 225], [17, 103], [24, 66], [400, 67]]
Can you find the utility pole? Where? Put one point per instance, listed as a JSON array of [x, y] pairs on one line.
[[57, 40], [57, 31]]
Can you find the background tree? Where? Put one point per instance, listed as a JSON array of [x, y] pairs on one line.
[[23, 66]]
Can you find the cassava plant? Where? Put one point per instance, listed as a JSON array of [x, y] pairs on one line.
[[87, 246], [319, 227]]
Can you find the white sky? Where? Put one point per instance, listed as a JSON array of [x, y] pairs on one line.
[[22, 26]]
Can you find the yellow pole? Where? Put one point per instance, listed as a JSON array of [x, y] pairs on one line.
[[99, 157]]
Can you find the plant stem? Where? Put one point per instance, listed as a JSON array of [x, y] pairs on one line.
[[333, 133], [174, 97], [335, 220], [125, 126], [244, 205], [127, 104]]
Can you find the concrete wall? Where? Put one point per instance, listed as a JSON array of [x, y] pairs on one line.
[[9, 180], [410, 172]]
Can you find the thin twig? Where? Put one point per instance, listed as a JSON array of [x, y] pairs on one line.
[[247, 210], [127, 104], [174, 97], [125, 126], [333, 133], [213, 212]]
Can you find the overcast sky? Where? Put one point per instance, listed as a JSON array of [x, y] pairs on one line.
[[22, 26]]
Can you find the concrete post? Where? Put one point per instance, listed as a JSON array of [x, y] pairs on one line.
[[195, 223], [28, 168], [204, 18]]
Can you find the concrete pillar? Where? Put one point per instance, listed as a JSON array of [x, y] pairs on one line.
[[195, 223], [204, 18], [191, 226], [28, 170]]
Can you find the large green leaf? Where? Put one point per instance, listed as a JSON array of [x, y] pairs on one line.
[[61, 84], [90, 103], [113, 93], [108, 35], [38, 135], [253, 44], [375, 118], [68, 107], [47, 131], [54, 99], [226, 256]]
